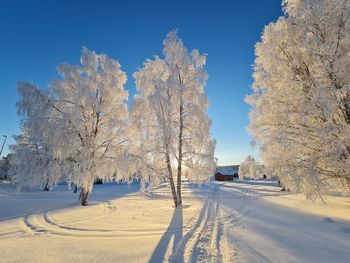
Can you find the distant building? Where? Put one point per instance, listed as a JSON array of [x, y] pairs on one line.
[[226, 173]]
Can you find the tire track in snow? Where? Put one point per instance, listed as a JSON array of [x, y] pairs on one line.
[[38, 224], [204, 245], [12, 234], [203, 242]]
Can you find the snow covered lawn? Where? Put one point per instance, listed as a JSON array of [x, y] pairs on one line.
[[222, 222]]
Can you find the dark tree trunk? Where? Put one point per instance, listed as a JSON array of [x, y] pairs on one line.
[[173, 191], [76, 189], [84, 193], [179, 166], [171, 179], [98, 181], [47, 188], [280, 185]]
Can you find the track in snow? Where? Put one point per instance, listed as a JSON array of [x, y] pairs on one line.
[[46, 224], [205, 241]]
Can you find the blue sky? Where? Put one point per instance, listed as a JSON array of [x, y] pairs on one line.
[[38, 35]]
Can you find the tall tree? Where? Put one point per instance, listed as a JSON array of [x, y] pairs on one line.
[[301, 96], [91, 102], [171, 114], [152, 119], [82, 119], [32, 158], [195, 147]]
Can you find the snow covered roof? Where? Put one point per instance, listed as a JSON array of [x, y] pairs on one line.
[[227, 170]]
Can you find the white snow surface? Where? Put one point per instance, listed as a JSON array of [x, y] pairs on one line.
[[242, 221]]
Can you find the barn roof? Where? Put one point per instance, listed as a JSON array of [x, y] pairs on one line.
[[228, 169]]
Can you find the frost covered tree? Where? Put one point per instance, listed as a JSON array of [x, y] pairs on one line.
[[89, 138], [169, 117], [31, 159], [301, 96], [152, 132], [84, 116], [30, 163], [244, 168], [194, 146], [250, 168]]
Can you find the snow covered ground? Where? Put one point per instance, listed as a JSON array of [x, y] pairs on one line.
[[220, 222]]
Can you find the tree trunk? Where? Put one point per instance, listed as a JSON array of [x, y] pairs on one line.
[[280, 185], [76, 189], [47, 188], [83, 197], [179, 165], [98, 181], [171, 179], [173, 191]]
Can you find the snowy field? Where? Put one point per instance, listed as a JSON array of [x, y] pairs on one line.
[[220, 222]]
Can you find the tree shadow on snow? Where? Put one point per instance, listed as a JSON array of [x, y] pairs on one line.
[[16, 204], [175, 231]]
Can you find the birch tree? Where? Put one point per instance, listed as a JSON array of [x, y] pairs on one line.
[[32, 159], [152, 122], [171, 115], [30, 163], [82, 119], [195, 147], [91, 102], [301, 96]]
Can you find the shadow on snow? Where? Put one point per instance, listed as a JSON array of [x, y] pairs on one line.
[[23, 204], [175, 231]]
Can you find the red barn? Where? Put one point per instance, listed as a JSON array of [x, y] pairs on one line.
[[226, 173], [223, 177]]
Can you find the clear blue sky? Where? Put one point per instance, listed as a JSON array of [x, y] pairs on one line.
[[38, 35]]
